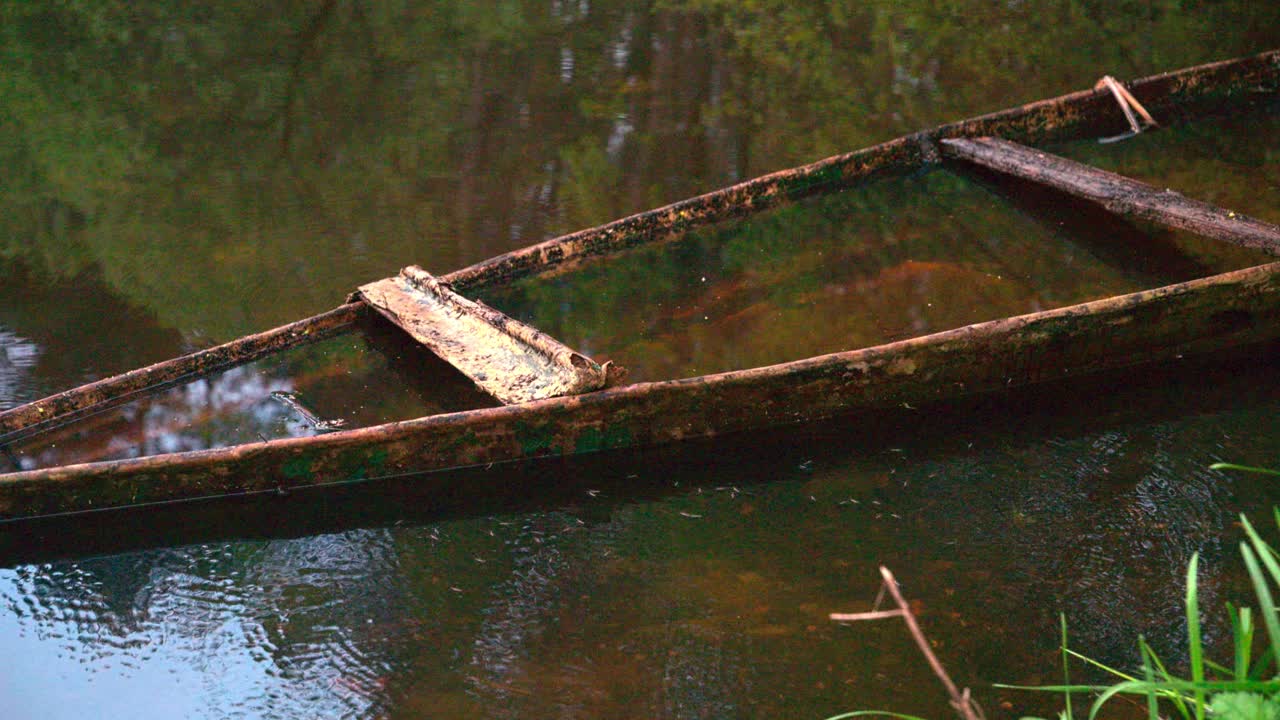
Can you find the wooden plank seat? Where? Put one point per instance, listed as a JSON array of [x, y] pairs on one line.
[[506, 358]]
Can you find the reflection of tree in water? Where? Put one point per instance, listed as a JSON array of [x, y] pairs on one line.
[[274, 629], [396, 124], [17, 356], [289, 153], [229, 408], [341, 378]]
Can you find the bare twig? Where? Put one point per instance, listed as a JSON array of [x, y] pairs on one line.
[[1128, 104], [873, 615], [960, 699]]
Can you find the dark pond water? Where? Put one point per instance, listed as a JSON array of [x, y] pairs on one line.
[[172, 177]]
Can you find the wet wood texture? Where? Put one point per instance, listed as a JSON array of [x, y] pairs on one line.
[[506, 358], [1116, 193], [1226, 310]]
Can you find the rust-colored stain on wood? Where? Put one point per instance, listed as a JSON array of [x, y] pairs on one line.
[[506, 358]]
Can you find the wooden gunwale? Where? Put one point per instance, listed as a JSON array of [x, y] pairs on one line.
[[1236, 308], [1070, 116]]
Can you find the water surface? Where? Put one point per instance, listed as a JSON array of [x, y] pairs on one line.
[[174, 177]]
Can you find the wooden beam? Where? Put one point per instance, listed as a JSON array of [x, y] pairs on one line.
[[506, 358], [1117, 193]]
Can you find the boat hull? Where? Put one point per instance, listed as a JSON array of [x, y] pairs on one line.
[[1167, 323]]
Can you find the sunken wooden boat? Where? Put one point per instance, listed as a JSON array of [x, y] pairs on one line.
[[559, 402]]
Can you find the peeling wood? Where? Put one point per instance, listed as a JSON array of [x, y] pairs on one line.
[[1236, 308], [506, 358], [1116, 193]]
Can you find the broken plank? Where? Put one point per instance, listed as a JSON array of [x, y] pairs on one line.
[[506, 358], [1117, 193]]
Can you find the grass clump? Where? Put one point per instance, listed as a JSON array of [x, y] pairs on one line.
[[1245, 688]]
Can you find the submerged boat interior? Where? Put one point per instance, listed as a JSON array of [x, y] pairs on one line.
[[765, 277]]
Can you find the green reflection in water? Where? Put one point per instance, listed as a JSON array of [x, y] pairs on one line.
[[235, 167]]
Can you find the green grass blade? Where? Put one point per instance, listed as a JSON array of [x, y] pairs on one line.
[[1218, 668], [1260, 587], [1176, 690], [1266, 553], [1129, 688], [1053, 688], [1166, 680], [873, 714], [1263, 592], [1186, 687], [1244, 468], [1242, 639], [1156, 662], [1066, 667], [1102, 666], [1194, 641], [1153, 707]]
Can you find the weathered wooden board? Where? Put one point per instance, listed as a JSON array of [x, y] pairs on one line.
[[506, 358], [1203, 315], [1116, 193]]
